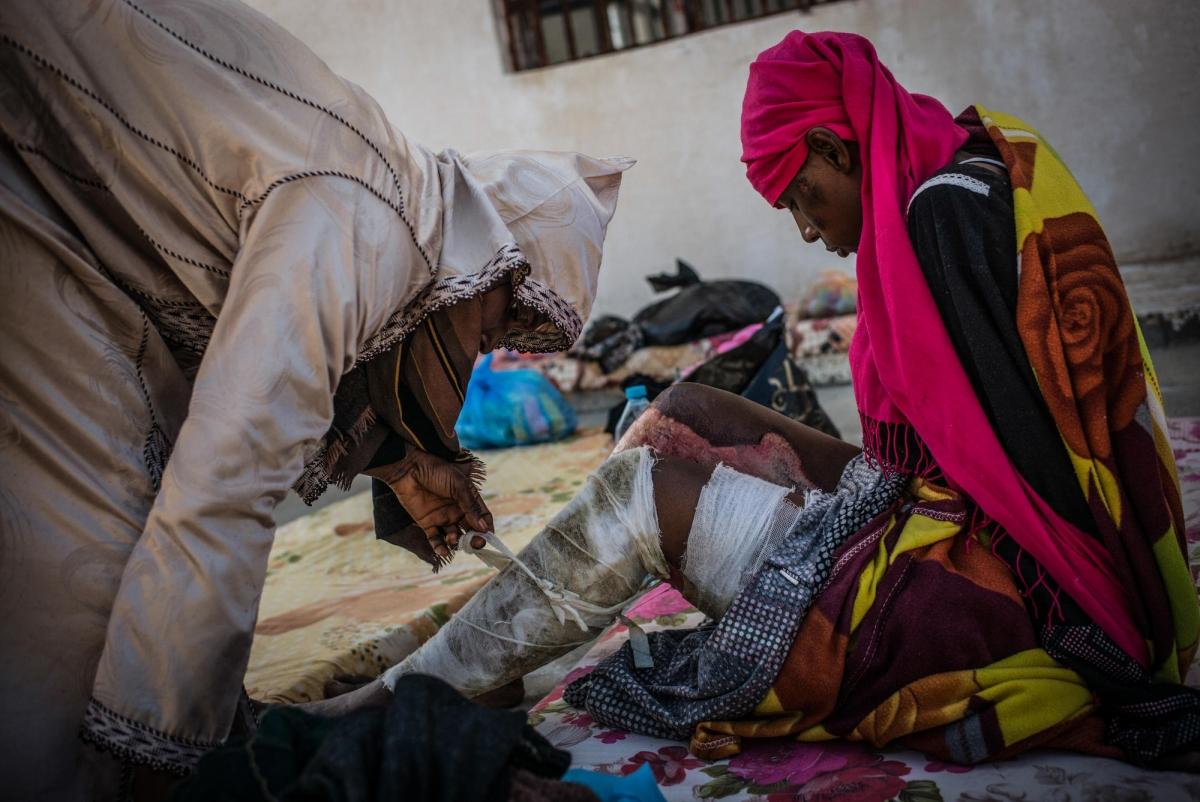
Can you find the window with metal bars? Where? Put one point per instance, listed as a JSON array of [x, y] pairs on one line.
[[539, 33]]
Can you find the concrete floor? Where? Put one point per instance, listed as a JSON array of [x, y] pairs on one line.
[[1178, 369]]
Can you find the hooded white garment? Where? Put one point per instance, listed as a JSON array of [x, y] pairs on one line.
[[202, 229]]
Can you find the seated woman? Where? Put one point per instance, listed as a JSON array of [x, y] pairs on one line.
[[1003, 565]]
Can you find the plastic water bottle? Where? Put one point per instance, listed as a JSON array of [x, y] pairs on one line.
[[635, 405]]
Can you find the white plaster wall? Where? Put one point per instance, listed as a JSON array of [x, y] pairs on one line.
[[1114, 84]]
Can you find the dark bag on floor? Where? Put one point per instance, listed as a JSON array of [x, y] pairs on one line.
[[608, 341], [762, 370]]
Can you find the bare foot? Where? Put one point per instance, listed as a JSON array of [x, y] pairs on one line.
[[373, 694]]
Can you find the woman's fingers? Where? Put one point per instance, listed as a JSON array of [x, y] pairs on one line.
[[475, 512], [437, 542]]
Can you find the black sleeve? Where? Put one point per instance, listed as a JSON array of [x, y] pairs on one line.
[[392, 449], [965, 241]]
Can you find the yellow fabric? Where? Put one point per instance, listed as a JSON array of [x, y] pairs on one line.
[[1045, 197], [1029, 693]]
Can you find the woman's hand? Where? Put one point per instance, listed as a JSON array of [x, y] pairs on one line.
[[440, 497]]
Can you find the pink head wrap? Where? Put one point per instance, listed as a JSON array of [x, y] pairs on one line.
[[835, 80], [907, 376]]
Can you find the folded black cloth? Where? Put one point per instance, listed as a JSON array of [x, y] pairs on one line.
[[430, 743], [701, 308]]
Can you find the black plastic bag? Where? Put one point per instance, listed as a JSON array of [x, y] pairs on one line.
[[601, 328], [702, 308]]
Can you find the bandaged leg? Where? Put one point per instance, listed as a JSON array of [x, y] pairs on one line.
[[569, 583], [739, 520]]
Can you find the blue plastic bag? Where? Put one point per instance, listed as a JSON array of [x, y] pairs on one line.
[[506, 408], [640, 786]]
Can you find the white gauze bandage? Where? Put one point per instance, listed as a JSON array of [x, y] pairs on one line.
[[560, 591], [739, 520]]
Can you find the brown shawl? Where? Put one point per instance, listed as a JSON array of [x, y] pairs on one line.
[[409, 396]]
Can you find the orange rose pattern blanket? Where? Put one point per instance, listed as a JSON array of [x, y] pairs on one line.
[[937, 629]]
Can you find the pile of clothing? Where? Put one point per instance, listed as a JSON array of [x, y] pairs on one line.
[[429, 743], [699, 309], [753, 360]]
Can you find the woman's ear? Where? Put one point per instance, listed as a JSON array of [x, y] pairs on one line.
[[830, 147]]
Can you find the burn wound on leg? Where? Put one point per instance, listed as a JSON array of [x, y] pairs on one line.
[[772, 458]]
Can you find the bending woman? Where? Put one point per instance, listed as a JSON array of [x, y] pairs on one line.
[[225, 274], [1001, 568]]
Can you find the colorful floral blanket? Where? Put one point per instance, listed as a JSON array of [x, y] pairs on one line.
[[781, 769]]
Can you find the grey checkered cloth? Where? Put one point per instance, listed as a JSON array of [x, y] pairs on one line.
[[722, 670]]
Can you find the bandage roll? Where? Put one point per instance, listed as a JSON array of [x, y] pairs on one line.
[[739, 520]]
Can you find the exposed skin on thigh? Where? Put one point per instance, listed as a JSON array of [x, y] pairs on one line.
[[678, 483], [707, 426], [677, 486]]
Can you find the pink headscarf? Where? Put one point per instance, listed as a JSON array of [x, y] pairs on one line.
[[907, 376]]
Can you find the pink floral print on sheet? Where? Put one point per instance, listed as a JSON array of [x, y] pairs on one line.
[[778, 770], [669, 763]]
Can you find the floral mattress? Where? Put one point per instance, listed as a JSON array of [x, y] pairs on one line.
[[338, 601], [778, 770]]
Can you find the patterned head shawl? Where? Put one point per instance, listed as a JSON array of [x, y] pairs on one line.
[[919, 410], [536, 220]]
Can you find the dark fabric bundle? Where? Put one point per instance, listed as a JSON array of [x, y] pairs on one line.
[[760, 369], [609, 341], [684, 276], [701, 308], [430, 743]]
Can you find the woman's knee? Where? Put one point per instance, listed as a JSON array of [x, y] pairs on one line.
[[684, 399], [680, 409], [677, 486]]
